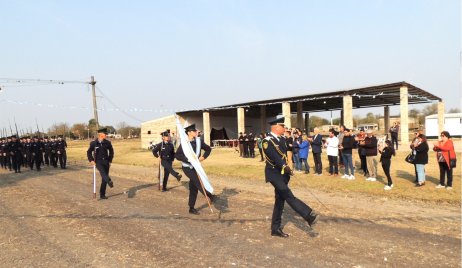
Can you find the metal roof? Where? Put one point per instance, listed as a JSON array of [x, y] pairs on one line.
[[371, 96]]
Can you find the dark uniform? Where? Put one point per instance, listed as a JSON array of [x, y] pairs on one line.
[[3, 145], [246, 145], [53, 154], [277, 172], [27, 153], [102, 153], [167, 155], [6, 154], [251, 145], [241, 145], [36, 148], [14, 149], [190, 172], [61, 146], [46, 151]]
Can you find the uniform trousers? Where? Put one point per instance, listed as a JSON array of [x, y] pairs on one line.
[[168, 169], [283, 194], [194, 186], [103, 167]]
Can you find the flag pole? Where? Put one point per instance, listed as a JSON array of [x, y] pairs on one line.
[[205, 193]]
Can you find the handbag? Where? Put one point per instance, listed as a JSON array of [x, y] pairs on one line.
[[410, 158], [452, 162]]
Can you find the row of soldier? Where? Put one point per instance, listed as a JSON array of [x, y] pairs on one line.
[[32, 152]]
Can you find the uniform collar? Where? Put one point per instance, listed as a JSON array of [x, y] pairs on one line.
[[275, 136]]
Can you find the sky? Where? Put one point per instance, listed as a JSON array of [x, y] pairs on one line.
[[150, 58]]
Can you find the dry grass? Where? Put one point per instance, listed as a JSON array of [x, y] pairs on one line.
[[227, 163]]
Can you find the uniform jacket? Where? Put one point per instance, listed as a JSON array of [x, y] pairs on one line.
[[180, 156], [275, 151], [100, 151], [166, 149]]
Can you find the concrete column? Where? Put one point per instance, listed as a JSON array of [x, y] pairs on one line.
[[307, 123], [206, 124], [240, 120], [300, 114], [263, 125], [386, 119], [348, 111], [404, 116], [286, 114], [440, 116]]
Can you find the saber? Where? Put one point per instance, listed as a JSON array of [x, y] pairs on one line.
[[161, 182], [94, 181]]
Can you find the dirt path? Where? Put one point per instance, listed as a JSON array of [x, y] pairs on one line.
[[49, 219]]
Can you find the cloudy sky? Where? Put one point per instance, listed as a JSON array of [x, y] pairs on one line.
[[153, 57]]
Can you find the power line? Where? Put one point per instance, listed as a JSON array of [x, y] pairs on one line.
[[116, 106]]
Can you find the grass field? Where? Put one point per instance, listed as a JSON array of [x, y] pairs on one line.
[[227, 163]]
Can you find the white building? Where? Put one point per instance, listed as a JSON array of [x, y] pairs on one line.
[[452, 124]]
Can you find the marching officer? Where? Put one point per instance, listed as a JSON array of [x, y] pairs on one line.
[[101, 153], [2, 154], [188, 169], [7, 155], [167, 153], [46, 150], [53, 155], [61, 146], [278, 172], [28, 150], [36, 153], [14, 148]]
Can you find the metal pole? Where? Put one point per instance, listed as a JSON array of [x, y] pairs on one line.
[[95, 109]]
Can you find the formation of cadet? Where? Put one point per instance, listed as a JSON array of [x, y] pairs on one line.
[[32, 153], [166, 151], [246, 145], [278, 172], [100, 154]]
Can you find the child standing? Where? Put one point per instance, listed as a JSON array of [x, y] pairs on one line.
[[387, 151]]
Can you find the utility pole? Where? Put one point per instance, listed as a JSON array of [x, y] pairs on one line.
[[95, 111]]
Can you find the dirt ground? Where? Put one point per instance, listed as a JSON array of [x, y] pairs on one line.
[[49, 219]]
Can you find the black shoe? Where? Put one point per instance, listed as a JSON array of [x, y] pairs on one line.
[[193, 211], [313, 219], [279, 233], [164, 190], [178, 177], [111, 184], [102, 197]]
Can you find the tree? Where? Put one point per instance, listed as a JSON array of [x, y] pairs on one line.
[[316, 121], [79, 130], [430, 109], [454, 110], [92, 126], [59, 129]]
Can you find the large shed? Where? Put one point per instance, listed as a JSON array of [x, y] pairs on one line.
[[254, 116]]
